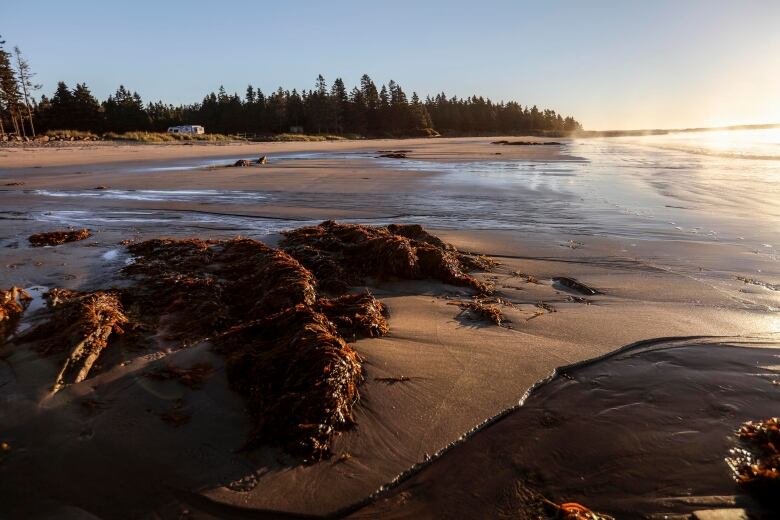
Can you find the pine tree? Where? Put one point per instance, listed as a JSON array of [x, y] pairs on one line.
[[25, 80], [339, 105], [10, 96], [85, 109]]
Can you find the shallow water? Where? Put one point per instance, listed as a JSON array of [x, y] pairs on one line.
[[612, 187], [643, 433]]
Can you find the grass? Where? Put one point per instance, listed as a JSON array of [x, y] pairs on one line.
[[308, 138], [67, 134], [163, 137]]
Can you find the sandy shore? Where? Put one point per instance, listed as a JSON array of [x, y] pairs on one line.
[[122, 461]]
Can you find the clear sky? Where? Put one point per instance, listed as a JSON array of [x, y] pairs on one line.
[[611, 64]]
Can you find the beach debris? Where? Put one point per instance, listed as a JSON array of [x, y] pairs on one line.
[[344, 457], [528, 143], [753, 281], [193, 377], [542, 308], [16, 183], [393, 151], [576, 511], [55, 238], [527, 277], [283, 345], [345, 255], [393, 380], [242, 163], [262, 160], [81, 325], [356, 314], [579, 299], [756, 466], [393, 155], [13, 302], [486, 308], [574, 285], [299, 377], [101, 187]]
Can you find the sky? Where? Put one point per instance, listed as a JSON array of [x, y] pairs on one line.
[[612, 64]]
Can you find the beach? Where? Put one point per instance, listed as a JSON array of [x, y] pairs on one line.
[[672, 256]]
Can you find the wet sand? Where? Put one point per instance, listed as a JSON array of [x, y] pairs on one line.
[[461, 372]]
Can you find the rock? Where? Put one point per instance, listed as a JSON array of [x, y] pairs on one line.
[[42, 138], [574, 285], [101, 187], [241, 163], [262, 160], [394, 155]]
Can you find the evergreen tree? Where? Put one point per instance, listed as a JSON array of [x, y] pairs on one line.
[[125, 111], [365, 110], [10, 95], [28, 87], [85, 109]]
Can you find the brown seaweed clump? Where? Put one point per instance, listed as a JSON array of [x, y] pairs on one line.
[[356, 314], [55, 238], [486, 308], [344, 255], [13, 302], [284, 347], [81, 325], [757, 467], [299, 377]]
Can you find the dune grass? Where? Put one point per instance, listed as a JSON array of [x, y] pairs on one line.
[[67, 134], [163, 137], [309, 138]]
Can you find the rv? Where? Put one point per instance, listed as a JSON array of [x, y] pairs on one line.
[[186, 129]]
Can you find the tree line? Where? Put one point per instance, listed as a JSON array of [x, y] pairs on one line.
[[16, 93], [365, 110]]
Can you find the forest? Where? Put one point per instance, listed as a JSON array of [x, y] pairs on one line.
[[364, 111]]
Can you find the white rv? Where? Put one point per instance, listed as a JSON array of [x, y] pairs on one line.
[[186, 129]]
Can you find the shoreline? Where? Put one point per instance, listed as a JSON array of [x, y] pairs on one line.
[[447, 355]]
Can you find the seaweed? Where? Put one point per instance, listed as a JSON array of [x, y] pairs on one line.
[[486, 308], [393, 380], [299, 377], [343, 255], [283, 345], [13, 302], [527, 277], [756, 466], [528, 143], [357, 314], [55, 238], [263, 311], [760, 283], [81, 325]]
